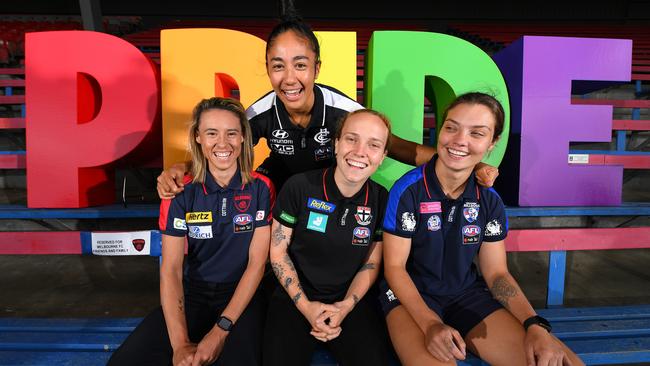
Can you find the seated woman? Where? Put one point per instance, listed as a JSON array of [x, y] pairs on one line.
[[438, 220], [326, 253], [210, 310]]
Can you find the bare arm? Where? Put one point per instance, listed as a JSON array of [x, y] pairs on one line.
[[172, 298], [540, 346], [211, 345], [286, 273], [441, 340], [170, 181], [504, 288], [365, 277], [409, 152]]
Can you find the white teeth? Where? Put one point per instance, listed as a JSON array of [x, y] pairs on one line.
[[357, 164], [457, 152], [222, 154], [292, 92]]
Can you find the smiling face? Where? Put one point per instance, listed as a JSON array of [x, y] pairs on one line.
[[466, 135], [293, 68], [220, 136], [360, 149]]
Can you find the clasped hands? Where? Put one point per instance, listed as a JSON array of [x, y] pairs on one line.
[[326, 319]]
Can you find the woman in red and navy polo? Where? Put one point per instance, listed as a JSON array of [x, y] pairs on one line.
[[210, 311]]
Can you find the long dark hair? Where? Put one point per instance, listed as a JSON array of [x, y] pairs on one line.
[[290, 20]]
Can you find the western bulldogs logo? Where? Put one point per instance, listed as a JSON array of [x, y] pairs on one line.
[[471, 214]]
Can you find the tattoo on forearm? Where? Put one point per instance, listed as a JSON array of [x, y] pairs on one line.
[[356, 299], [287, 282], [289, 262], [367, 266], [296, 297], [181, 305], [502, 290], [278, 269], [278, 236]]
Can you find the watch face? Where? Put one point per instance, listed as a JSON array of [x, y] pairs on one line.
[[224, 323]]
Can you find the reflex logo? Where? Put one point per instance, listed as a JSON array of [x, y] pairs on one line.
[[319, 205]]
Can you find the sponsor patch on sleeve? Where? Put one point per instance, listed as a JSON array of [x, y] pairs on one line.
[[288, 218], [493, 228], [179, 224], [259, 216], [408, 221]]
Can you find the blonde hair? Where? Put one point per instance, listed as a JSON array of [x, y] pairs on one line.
[[245, 158], [381, 116]]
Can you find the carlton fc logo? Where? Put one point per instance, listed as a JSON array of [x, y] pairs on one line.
[[323, 136], [280, 134]]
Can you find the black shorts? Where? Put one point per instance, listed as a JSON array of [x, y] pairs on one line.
[[462, 311]]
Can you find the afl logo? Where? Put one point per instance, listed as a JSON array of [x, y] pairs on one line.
[[243, 219], [361, 232], [280, 134], [471, 230], [323, 136]]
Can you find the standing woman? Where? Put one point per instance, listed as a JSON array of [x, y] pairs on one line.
[[326, 253], [210, 311], [298, 117], [437, 221]]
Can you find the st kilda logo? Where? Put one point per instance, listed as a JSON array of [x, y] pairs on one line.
[[242, 202], [138, 244]]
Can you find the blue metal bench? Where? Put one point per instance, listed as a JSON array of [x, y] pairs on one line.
[[599, 336]]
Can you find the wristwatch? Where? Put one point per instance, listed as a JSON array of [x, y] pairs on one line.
[[225, 323], [537, 320]]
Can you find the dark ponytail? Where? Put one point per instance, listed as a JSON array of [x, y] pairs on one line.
[[290, 20]]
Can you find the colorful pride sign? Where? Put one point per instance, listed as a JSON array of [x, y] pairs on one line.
[[93, 99]]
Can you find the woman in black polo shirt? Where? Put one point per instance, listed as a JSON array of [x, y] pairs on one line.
[[210, 312], [299, 116], [438, 221], [326, 253]]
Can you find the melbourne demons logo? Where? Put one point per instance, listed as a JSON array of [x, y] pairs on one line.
[[242, 202]]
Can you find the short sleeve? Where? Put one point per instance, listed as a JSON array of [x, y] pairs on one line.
[[172, 216], [258, 126], [496, 227], [265, 200], [287, 206], [383, 197], [401, 216]]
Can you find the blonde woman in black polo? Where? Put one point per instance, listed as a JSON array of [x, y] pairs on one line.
[[326, 253]]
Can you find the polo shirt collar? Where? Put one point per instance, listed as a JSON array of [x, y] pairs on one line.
[[434, 189], [317, 112], [211, 186], [331, 192]]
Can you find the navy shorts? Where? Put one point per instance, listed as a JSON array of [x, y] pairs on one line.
[[461, 312]]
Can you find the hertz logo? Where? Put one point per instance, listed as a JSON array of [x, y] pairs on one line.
[[195, 217]]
